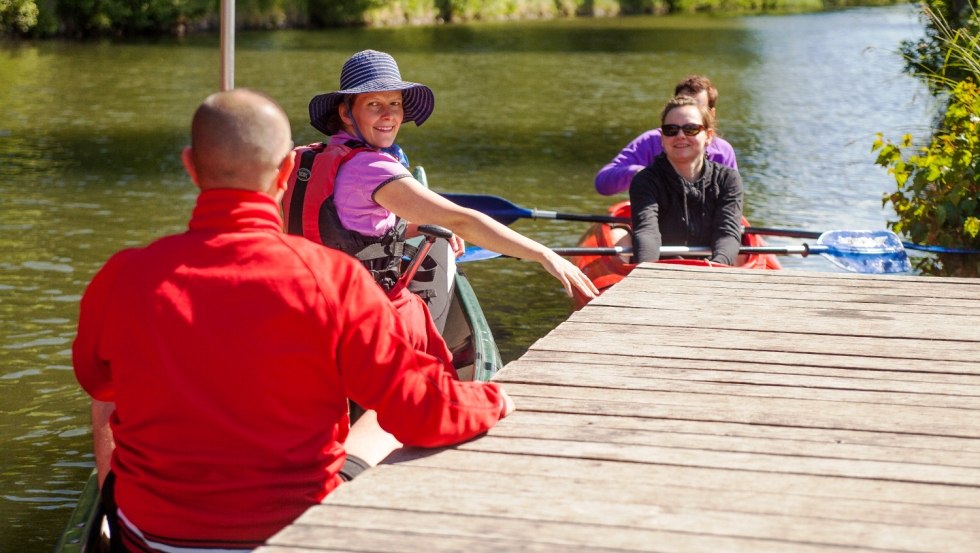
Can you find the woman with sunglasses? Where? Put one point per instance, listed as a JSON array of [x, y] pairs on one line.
[[683, 198], [615, 176]]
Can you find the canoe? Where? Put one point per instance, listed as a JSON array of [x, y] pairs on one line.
[[461, 321], [607, 270], [457, 313]]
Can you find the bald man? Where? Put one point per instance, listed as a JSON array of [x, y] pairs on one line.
[[220, 361], [239, 139]]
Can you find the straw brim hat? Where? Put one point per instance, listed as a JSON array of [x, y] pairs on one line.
[[371, 71]]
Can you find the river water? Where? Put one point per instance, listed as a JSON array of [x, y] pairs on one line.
[[90, 136]]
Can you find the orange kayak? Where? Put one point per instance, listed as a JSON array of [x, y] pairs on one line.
[[606, 270]]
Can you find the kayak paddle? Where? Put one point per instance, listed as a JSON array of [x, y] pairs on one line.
[[857, 251], [506, 212], [799, 233]]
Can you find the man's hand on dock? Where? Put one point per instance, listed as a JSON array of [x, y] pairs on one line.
[[509, 406]]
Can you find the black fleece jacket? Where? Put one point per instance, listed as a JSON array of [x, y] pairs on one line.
[[669, 210]]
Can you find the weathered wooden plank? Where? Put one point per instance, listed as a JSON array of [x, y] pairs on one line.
[[318, 525], [918, 285], [757, 347], [767, 411], [857, 379], [644, 493], [889, 285], [941, 299], [682, 294], [292, 549], [739, 384], [775, 387], [736, 461], [945, 330], [491, 467], [618, 373], [699, 436], [848, 295], [657, 333], [894, 445], [408, 541], [658, 506], [805, 285]]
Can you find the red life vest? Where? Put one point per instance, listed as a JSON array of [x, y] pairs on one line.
[[309, 211]]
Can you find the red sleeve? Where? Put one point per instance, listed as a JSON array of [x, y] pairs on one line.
[[92, 372], [417, 400]]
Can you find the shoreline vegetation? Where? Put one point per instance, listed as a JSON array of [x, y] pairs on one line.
[[81, 19], [937, 197]]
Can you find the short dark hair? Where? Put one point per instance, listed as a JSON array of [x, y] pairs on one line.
[[678, 101], [694, 84], [332, 120]]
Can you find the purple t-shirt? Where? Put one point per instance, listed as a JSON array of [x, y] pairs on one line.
[[616, 176], [357, 181]]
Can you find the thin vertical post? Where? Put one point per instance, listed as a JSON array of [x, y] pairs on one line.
[[227, 44]]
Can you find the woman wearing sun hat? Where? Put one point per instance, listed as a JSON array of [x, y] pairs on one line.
[[356, 193]]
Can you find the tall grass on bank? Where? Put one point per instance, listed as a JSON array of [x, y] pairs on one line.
[[950, 52]]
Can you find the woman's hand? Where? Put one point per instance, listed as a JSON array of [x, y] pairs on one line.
[[570, 276], [458, 245]]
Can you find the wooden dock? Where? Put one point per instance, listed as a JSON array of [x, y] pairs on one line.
[[712, 411]]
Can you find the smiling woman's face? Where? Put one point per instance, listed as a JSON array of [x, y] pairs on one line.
[[379, 115], [682, 148]]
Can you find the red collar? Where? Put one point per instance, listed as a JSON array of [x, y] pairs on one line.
[[229, 209]]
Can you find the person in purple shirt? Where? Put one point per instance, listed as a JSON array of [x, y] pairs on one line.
[[615, 176]]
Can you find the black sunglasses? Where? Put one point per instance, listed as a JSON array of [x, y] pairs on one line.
[[689, 129]]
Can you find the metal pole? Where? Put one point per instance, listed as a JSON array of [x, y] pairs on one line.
[[227, 44]]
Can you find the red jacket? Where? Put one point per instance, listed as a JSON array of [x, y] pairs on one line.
[[230, 351]]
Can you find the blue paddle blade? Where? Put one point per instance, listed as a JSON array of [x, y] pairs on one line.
[[476, 253], [500, 209], [864, 251]]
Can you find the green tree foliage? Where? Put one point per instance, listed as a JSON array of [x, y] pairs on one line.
[[472, 10], [635, 7], [268, 14], [749, 6], [938, 187], [401, 12], [17, 16], [332, 13], [938, 196], [84, 18]]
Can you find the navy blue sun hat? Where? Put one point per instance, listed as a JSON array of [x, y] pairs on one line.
[[371, 71]]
